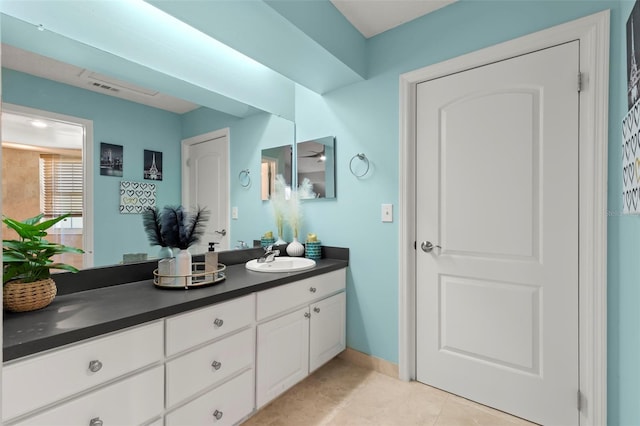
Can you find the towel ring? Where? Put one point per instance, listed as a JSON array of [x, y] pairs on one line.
[[362, 158], [244, 178]]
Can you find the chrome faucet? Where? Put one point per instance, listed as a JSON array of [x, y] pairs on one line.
[[269, 255]]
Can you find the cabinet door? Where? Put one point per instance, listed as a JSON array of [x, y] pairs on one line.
[[225, 405], [207, 366], [132, 401], [327, 330], [283, 354], [43, 379], [190, 329], [283, 298]]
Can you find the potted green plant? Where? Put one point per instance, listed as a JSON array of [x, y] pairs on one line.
[[27, 264]]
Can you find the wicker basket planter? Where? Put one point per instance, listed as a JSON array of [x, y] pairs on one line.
[[22, 297]]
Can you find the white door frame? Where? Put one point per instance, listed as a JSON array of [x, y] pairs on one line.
[[593, 33], [186, 143], [87, 167]]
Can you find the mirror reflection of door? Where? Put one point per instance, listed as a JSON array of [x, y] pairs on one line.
[[268, 172], [275, 161], [205, 184], [43, 172]]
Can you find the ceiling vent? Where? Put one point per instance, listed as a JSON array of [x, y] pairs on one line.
[[99, 81]]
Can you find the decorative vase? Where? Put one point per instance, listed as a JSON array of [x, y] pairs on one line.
[[23, 297], [295, 248], [165, 253], [280, 241], [183, 267]]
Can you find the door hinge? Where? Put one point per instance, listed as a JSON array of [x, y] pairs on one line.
[[579, 400], [579, 82]]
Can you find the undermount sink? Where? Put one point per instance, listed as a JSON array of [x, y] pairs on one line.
[[281, 264]]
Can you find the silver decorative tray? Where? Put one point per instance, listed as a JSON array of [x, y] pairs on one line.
[[199, 277]]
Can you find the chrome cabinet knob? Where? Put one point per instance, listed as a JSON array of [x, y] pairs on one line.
[[316, 310], [427, 246], [95, 366], [95, 422], [217, 414], [216, 365], [307, 315], [218, 322], [312, 289]]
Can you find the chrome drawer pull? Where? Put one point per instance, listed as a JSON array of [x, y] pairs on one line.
[[217, 414], [218, 322], [95, 422], [307, 315], [94, 367], [216, 365], [316, 310], [312, 289]]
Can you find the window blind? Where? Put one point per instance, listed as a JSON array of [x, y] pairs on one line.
[[61, 184]]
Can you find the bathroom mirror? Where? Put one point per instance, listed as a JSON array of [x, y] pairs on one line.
[[275, 161], [110, 130], [316, 162]]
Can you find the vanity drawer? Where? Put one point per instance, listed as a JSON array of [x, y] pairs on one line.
[[207, 366], [224, 405], [193, 328], [132, 401], [44, 379], [279, 299]]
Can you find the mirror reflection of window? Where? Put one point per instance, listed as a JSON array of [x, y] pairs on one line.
[[40, 174]]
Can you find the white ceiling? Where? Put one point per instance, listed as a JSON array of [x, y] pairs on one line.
[[372, 17]]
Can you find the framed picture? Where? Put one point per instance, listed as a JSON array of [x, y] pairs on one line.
[[111, 159], [633, 56], [152, 165]]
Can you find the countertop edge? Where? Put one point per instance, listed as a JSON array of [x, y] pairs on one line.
[[18, 350]]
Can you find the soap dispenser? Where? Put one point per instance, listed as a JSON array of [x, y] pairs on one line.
[[211, 261]]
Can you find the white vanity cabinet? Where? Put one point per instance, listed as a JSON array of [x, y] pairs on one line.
[[212, 365], [303, 327], [83, 370], [210, 369]]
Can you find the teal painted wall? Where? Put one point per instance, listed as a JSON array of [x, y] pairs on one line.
[[623, 251], [136, 127], [364, 118]]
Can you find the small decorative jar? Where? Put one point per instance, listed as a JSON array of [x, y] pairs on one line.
[[267, 241], [313, 250]]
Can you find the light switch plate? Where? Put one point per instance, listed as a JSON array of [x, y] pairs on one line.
[[387, 212], [234, 213]]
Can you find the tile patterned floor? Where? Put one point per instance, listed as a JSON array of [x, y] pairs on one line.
[[342, 394]]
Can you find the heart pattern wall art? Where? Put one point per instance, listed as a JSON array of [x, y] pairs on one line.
[[136, 197]]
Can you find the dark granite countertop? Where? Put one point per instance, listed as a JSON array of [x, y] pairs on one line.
[[79, 315]]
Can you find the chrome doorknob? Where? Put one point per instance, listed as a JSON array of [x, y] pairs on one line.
[[427, 246]]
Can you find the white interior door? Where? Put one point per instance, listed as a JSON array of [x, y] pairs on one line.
[[497, 190], [205, 183]]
